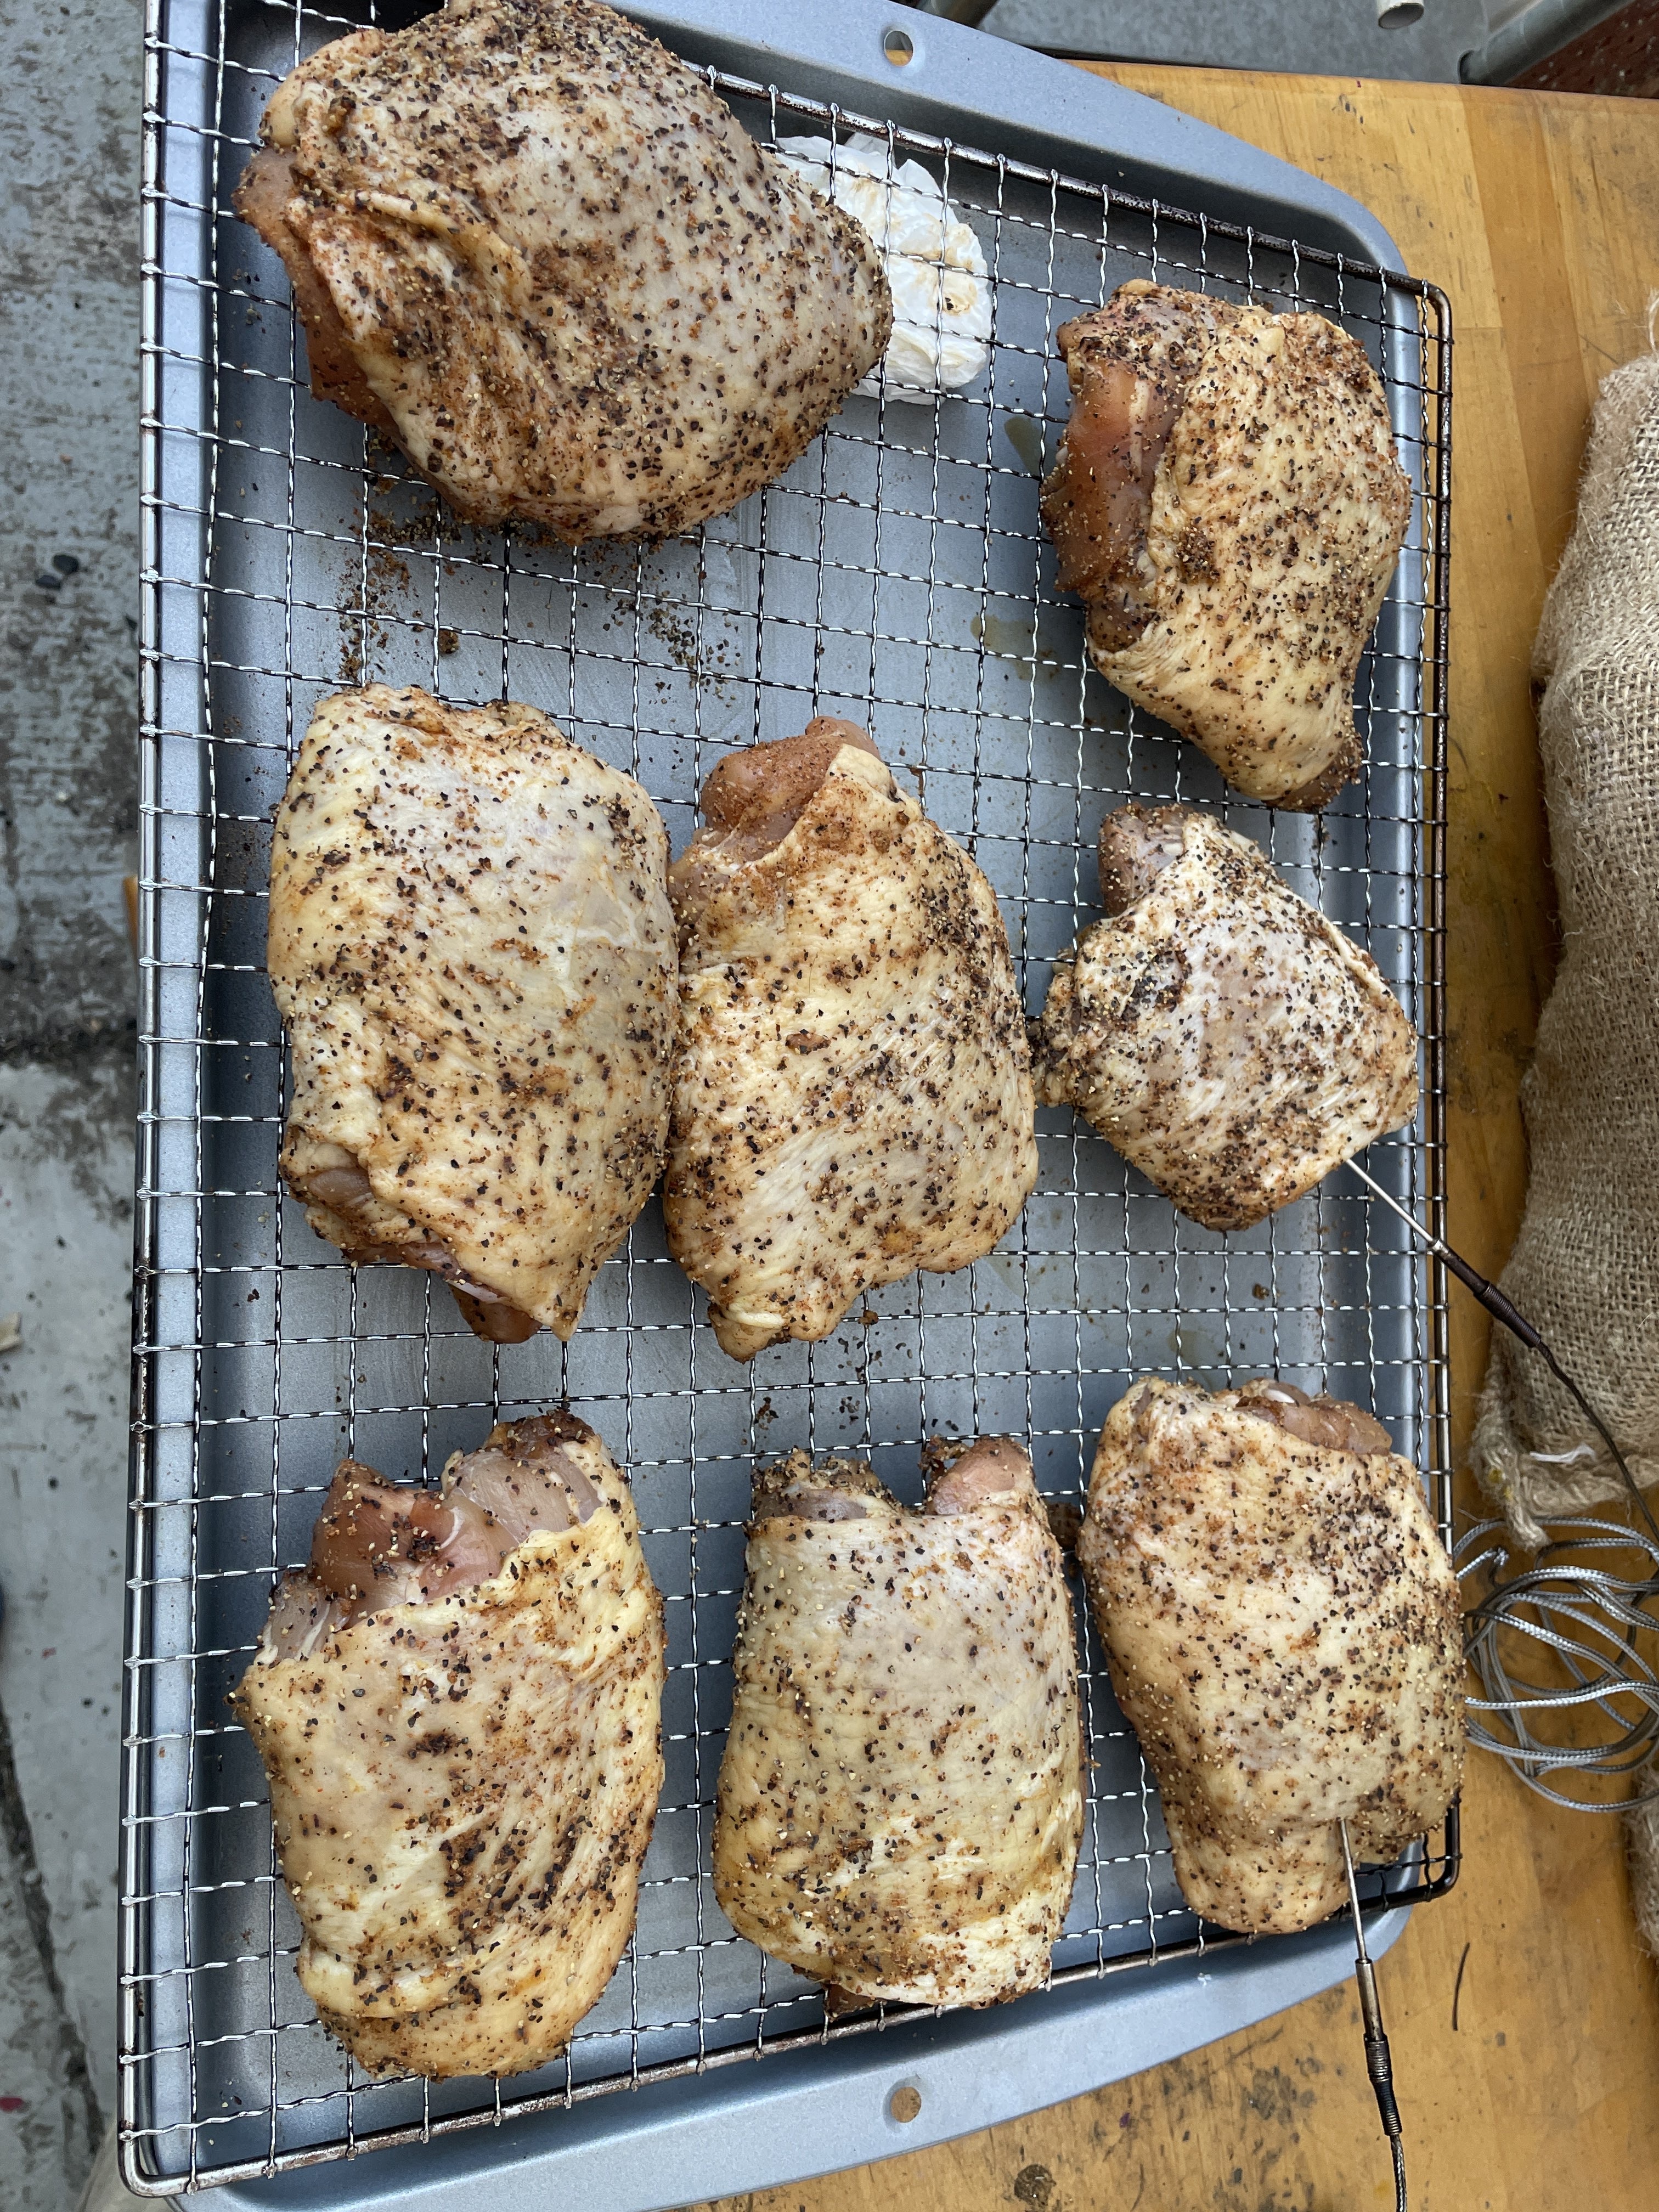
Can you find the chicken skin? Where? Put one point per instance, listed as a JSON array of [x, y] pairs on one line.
[[900, 1800], [458, 1703], [472, 951], [1217, 1029], [531, 246], [1283, 1630], [1228, 503], [853, 1098]]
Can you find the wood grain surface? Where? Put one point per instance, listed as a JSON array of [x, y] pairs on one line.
[[1524, 2020]]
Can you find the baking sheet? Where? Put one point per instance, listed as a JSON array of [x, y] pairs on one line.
[[897, 575]]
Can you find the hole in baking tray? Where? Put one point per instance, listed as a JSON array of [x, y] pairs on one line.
[[905, 2102], [898, 47]]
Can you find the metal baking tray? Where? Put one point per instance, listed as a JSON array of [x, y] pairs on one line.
[[898, 574]]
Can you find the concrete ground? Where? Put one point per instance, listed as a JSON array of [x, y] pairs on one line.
[[68, 562]]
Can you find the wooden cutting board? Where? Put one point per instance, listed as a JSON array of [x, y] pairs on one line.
[[1524, 2020]]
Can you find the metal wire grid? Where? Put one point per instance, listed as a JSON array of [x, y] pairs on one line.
[[898, 574]]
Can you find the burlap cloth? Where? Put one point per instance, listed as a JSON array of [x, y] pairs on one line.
[[1585, 1267]]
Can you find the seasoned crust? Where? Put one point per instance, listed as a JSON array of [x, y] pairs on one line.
[[534, 246], [852, 1094], [472, 951], [1283, 1629], [901, 1798], [270, 187], [463, 1789], [1129, 366], [1224, 1036], [1228, 502]]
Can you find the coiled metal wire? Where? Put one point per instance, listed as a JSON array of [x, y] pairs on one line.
[[1567, 1653], [1561, 1635]]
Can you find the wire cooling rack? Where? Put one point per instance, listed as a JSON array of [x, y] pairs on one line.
[[897, 575]]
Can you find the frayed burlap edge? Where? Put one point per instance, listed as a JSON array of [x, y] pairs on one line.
[[1532, 1488]]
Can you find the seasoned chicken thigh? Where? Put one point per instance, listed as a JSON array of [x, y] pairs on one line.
[[1283, 1630], [1217, 1029], [853, 1098], [901, 1800], [458, 1703], [1281, 1627], [472, 948], [1228, 503], [532, 246]]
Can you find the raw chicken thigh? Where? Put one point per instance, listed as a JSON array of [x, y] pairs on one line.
[[1282, 1626], [1217, 1029], [472, 948], [901, 1800], [1228, 503], [458, 1703], [532, 246], [852, 1097]]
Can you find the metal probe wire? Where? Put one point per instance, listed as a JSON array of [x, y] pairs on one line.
[[1588, 1618], [1515, 1321], [1379, 2064]]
